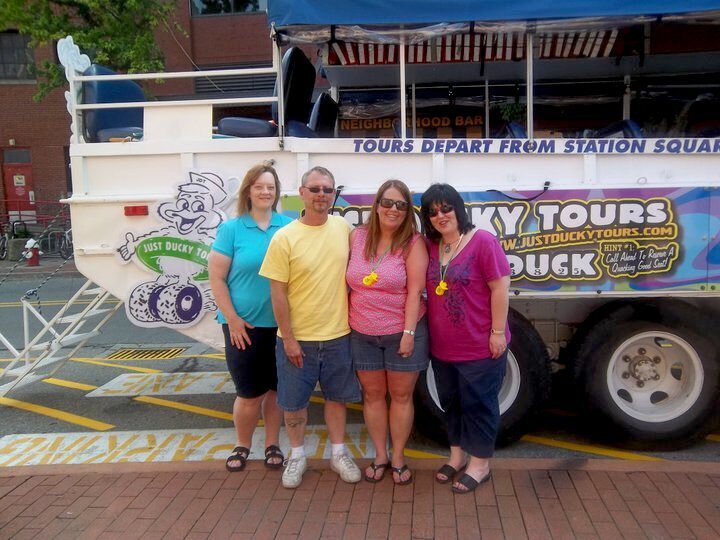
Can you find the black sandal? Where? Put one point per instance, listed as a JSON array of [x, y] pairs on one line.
[[274, 452], [470, 483], [449, 472], [375, 467], [239, 453], [399, 471]]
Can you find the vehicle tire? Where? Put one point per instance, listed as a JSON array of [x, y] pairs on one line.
[[3, 248], [65, 249], [650, 375], [525, 387]]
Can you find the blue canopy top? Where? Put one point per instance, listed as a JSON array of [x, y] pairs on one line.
[[285, 13]]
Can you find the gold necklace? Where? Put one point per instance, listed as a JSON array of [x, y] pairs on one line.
[[443, 286]]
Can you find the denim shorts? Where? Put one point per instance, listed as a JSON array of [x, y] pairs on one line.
[[328, 362], [371, 353]]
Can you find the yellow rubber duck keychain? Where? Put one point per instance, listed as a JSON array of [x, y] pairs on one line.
[[442, 287], [372, 277]]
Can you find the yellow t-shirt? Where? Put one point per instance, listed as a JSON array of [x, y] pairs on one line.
[[312, 261]]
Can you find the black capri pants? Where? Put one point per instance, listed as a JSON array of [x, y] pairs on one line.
[[253, 370], [468, 393]]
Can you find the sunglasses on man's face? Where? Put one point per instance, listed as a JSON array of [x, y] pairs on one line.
[[389, 203], [317, 189], [445, 209]]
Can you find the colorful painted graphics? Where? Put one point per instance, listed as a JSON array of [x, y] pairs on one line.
[[175, 253], [596, 240]]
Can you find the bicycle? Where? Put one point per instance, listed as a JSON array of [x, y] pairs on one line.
[[3, 242], [66, 245], [15, 229]]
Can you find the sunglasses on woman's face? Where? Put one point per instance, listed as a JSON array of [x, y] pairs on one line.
[[389, 203], [445, 209], [317, 189]]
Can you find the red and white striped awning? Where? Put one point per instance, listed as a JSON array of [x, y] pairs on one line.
[[472, 47]]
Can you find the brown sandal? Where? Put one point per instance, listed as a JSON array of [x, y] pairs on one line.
[[377, 467], [400, 471]]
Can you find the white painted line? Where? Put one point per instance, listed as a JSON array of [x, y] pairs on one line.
[[166, 384]]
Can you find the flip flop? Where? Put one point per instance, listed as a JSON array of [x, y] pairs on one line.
[[274, 452], [239, 453], [449, 472], [470, 483], [377, 467], [399, 471]]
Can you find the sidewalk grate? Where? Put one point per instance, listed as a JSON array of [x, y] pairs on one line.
[[146, 354]]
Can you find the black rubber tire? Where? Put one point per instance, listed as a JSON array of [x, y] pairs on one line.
[[533, 366], [65, 249], [594, 359], [3, 248]]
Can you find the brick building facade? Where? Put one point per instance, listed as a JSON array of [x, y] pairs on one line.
[[40, 132]]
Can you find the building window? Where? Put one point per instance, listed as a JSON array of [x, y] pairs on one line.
[[16, 57], [215, 7]]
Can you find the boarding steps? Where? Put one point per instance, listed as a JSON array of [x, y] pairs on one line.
[[59, 338]]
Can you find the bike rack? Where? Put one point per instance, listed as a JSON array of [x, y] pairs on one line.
[[64, 335]]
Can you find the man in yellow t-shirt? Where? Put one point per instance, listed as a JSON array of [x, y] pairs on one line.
[[306, 263]]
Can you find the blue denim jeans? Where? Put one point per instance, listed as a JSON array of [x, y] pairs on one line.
[[328, 362]]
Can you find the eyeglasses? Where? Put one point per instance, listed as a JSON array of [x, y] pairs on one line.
[[317, 189], [445, 209], [389, 203]]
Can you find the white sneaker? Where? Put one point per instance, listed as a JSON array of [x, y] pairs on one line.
[[346, 468], [293, 473]]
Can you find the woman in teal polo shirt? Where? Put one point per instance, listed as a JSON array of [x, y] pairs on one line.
[[246, 315]]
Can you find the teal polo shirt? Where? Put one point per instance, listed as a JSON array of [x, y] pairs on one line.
[[245, 243]]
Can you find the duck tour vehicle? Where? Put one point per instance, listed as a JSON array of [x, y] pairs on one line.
[[583, 134]]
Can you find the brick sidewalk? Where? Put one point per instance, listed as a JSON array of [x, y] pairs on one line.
[[526, 499]]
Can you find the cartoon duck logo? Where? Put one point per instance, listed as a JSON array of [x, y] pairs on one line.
[[178, 253]]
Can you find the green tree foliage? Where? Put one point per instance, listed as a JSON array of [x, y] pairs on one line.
[[119, 34]]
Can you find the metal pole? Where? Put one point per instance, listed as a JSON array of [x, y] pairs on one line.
[[487, 109], [403, 104], [414, 114], [277, 65], [529, 83]]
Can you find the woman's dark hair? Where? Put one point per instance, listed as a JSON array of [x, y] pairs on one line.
[[440, 194]]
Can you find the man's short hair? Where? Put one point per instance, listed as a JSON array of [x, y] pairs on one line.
[[320, 170]]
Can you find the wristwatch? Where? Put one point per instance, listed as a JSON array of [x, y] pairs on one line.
[[411, 332], [493, 331]]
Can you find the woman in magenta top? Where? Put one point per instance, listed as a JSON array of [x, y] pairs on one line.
[[386, 276], [468, 280]]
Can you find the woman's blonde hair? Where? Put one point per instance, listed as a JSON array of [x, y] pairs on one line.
[[244, 204], [403, 234]]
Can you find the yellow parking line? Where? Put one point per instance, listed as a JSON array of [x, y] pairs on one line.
[[419, 454], [108, 364], [185, 407], [353, 406], [630, 456], [55, 413], [214, 356], [70, 384], [714, 438]]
